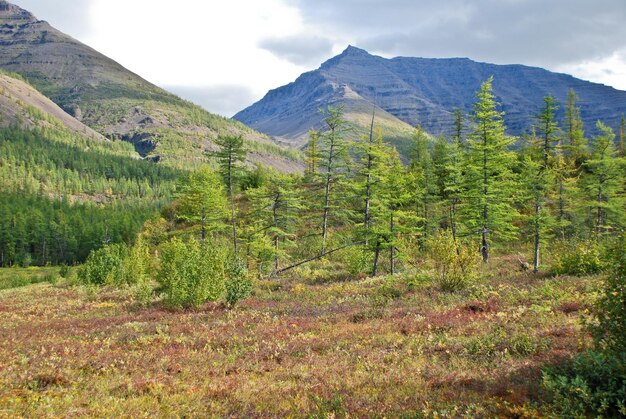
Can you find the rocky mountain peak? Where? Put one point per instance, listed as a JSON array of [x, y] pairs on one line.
[[354, 51], [10, 13], [350, 54]]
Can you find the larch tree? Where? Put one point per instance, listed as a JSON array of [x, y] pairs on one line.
[[312, 154], [603, 184], [489, 187], [333, 162], [622, 137], [230, 155], [539, 169], [540, 163], [453, 179], [576, 146], [274, 213], [201, 199], [397, 187], [372, 154], [423, 178]]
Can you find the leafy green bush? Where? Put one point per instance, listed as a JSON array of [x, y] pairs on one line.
[[455, 264], [579, 259], [593, 384], [64, 271], [357, 260], [238, 285], [136, 265], [191, 274], [103, 266], [14, 281], [610, 330]]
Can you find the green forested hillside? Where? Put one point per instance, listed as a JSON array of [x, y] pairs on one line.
[[35, 230], [55, 164], [63, 195]]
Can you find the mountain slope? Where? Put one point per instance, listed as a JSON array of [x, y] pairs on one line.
[[23, 105], [116, 102], [425, 91]]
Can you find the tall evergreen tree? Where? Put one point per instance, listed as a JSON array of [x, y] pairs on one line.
[[334, 158], [576, 146], [489, 181], [603, 184], [202, 199], [274, 213], [423, 178], [454, 172], [622, 137], [539, 169], [230, 155], [312, 154]]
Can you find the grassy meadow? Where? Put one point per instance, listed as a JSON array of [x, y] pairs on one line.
[[366, 347]]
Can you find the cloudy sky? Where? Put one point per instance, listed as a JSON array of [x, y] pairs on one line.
[[225, 55]]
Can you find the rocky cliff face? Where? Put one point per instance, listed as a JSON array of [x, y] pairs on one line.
[[425, 91], [116, 102]]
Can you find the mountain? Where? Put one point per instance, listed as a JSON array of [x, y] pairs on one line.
[[24, 106], [424, 91], [117, 103]]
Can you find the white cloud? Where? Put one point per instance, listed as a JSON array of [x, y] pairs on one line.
[[197, 43], [610, 70]]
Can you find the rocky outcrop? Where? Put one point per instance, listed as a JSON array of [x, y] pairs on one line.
[[425, 91]]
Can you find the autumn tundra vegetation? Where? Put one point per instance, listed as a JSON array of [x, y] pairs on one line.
[[481, 275]]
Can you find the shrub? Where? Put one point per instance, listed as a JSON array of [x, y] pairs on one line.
[[357, 260], [238, 285], [135, 268], [64, 271], [143, 292], [191, 274], [455, 265], [579, 259], [103, 266], [14, 281], [593, 384], [610, 330]]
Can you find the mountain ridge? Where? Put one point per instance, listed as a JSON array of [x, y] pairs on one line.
[[425, 91]]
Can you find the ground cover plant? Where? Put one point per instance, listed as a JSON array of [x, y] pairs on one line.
[[295, 347]]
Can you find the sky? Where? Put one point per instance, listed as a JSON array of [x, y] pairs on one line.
[[225, 55]]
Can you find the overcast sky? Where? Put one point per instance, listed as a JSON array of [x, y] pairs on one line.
[[226, 54]]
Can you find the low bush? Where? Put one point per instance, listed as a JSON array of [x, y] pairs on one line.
[[191, 273], [358, 260], [578, 259], [609, 331], [592, 385], [64, 271], [14, 281], [137, 264], [103, 266], [455, 264], [238, 284]]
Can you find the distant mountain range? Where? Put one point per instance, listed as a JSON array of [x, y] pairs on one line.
[[115, 102], [408, 91]]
